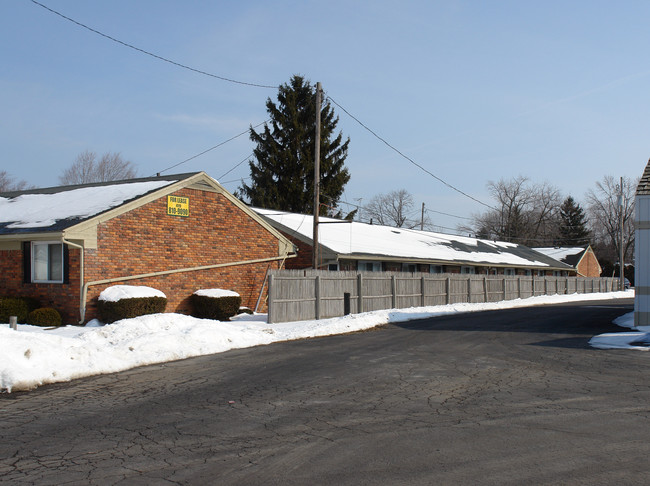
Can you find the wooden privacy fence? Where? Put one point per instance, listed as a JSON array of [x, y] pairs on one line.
[[295, 295]]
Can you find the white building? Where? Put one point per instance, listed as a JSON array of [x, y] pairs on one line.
[[642, 251]]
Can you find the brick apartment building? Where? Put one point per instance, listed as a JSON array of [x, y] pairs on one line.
[[350, 245], [582, 259], [176, 233]]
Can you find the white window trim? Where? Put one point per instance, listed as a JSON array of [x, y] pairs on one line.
[[33, 262]]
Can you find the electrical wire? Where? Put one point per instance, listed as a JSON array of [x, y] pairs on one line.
[[212, 148], [406, 157], [240, 163], [161, 58]]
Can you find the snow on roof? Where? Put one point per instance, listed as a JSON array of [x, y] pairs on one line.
[[358, 239], [54, 209], [560, 254]]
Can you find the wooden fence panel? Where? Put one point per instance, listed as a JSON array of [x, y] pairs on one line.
[[308, 294]]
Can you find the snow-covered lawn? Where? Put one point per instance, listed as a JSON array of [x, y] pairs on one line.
[[33, 356]]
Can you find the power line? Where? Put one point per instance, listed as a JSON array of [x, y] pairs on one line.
[[408, 158], [212, 148], [161, 58], [240, 163], [447, 214]]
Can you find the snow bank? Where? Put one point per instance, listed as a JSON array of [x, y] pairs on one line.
[[33, 356], [639, 339]]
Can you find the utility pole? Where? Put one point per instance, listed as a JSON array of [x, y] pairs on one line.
[[316, 177], [422, 220], [621, 248]]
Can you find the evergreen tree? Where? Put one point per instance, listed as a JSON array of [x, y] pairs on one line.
[[573, 225], [283, 170]]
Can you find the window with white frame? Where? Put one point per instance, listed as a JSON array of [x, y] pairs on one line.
[[47, 262], [468, 270], [509, 271]]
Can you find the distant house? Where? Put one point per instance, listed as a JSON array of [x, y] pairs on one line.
[[582, 259], [346, 245], [176, 233], [642, 251]]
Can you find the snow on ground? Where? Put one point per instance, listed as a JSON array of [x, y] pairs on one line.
[[638, 339], [33, 356]]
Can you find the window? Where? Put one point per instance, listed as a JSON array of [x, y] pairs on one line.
[[409, 267], [333, 267], [435, 268], [541, 273], [369, 266], [468, 270], [47, 262], [509, 271]]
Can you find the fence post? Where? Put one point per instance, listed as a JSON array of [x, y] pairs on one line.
[[469, 290], [13, 322], [485, 289], [505, 288], [519, 287], [269, 305], [545, 285], [359, 293], [422, 286], [346, 303], [448, 285], [393, 291], [317, 295]]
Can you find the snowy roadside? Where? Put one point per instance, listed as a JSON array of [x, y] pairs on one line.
[[638, 339], [33, 356]]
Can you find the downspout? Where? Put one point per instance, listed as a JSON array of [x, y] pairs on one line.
[[170, 272], [82, 299]]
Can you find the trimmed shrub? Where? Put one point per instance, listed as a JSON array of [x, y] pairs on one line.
[[45, 316], [220, 308], [16, 306], [110, 311]]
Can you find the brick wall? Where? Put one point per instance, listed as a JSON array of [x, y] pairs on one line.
[[589, 266], [147, 240]]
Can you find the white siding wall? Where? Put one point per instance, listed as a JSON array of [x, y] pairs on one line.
[[642, 262]]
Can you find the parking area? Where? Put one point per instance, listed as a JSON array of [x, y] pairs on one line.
[[501, 397]]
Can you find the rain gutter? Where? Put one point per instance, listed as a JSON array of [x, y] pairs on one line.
[[84, 292]]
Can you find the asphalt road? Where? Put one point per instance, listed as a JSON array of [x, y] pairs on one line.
[[504, 397]]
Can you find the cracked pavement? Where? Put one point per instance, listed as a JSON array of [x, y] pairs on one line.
[[501, 397]]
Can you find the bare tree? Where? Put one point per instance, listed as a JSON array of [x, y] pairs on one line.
[[392, 209], [86, 169], [605, 217], [8, 183], [525, 213]]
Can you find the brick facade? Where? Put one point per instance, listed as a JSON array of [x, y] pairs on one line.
[[147, 240], [588, 265]]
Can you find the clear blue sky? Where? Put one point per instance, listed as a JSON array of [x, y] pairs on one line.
[[474, 91]]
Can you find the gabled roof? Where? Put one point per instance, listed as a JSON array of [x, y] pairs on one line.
[[570, 256], [57, 208], [355, 240], [74, 212], [643, 189]]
